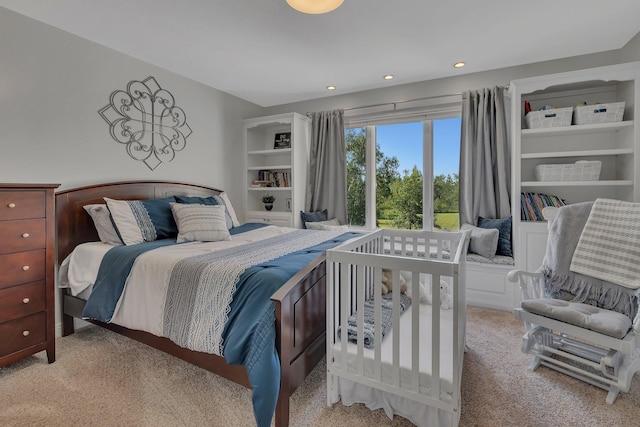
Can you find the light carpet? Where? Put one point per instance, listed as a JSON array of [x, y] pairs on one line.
[[103, 379]]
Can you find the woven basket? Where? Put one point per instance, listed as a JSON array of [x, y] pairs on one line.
[[549, 118], [599, 113], [581, 170]]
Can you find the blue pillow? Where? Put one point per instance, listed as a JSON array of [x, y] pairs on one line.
[[504, 237], [138, 221], [313, 217], [208, 201]]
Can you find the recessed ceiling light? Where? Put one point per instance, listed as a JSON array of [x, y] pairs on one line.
[[458, 64], [331, 88], [314, 7], [388, 77]]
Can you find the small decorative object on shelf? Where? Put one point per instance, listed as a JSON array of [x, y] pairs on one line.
[[282, 140], [268, 200]]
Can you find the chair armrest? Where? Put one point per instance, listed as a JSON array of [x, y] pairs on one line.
[[531, 283], [517, 275]]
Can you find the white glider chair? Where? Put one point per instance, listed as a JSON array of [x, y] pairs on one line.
[[585, 325]]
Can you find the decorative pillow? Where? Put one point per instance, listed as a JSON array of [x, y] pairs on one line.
[[208, 201], [230, 210], [321, 226], [504, 227], [102, 221], [313, 217], [197, 222], [332, 221], [138, 221], [484, 241]]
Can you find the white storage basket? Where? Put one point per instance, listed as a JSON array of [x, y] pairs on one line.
[[599, 113], [549, 118], [582, 170]]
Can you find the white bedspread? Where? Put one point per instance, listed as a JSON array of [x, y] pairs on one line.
[[142, 304]]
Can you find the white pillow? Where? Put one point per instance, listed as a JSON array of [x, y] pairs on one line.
[[330, 224], [332, 221], [484, 241], [204, 223], [102, 221], [230, 210]]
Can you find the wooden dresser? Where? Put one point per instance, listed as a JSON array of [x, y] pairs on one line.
[[27, 258]]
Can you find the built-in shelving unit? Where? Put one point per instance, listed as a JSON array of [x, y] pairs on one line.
[[615, 144], [262, 155]]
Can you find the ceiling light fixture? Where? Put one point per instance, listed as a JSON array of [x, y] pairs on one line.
[[314, 7], [458, 64], [331, 88], [388, 77]]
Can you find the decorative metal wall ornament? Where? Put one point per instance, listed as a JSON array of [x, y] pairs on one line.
[[146, 119]]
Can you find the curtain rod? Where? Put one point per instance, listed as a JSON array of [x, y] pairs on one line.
[[403, 102]]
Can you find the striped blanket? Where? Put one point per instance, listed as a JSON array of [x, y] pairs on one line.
[[609, 246], [369, 326]]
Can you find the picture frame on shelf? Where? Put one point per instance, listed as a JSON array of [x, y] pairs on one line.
[[282, 140]]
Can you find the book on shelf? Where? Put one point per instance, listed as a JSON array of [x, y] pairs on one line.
[[260, 183], [273, 178], [531, 205]]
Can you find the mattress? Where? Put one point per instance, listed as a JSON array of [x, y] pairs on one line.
[[79, 270], [425, 353]]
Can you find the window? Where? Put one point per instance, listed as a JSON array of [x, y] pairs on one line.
[[404, 175]]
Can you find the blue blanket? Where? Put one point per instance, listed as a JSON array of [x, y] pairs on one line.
[[249, 333]]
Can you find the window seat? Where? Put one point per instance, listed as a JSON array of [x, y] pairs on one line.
[[487, 284]]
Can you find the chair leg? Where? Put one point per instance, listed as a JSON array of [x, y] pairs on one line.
[[612, 395], [534, 363]]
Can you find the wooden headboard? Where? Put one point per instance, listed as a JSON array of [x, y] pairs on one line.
[[75, 226]]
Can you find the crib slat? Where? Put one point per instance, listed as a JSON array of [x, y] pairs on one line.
[[396, 327], [360, 295], [377, 314], [435, 336], [345, 285], [415, 332]]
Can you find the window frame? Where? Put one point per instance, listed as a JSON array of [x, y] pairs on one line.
[[426, 116]]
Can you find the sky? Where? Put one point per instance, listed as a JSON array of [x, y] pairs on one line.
[[405, 142]]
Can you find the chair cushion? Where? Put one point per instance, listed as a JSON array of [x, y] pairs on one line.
[[583, 315]]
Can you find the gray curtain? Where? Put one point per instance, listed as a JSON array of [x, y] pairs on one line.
[[327, 182], [485, 167]]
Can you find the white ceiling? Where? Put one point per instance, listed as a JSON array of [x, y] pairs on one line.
[[267, 53]]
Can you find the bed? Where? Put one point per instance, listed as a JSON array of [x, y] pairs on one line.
[[299, 303], [402, 352]]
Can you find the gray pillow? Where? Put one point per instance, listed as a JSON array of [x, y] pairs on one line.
[[484, 241], [204, 223], [313, 217]]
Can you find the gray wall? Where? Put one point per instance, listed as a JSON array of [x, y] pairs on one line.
[[52, 85], [631, 51], [453, 85]]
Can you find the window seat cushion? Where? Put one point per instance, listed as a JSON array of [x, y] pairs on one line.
[[497, 260]]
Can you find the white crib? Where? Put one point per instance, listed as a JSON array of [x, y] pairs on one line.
[[416, 370]]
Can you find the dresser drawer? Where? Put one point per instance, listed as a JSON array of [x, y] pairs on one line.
[[22, 267], [21, 301], [22, 235], [22, 204], [22, 333]]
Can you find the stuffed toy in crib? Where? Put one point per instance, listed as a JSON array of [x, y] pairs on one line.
[[425, 291], [387, 282]]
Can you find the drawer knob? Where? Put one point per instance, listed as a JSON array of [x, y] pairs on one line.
[[25, 235], [11, 205], [25, 333], [26, 300], [25, 267]]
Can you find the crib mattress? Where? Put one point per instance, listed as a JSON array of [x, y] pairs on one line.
[[425, 355]]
